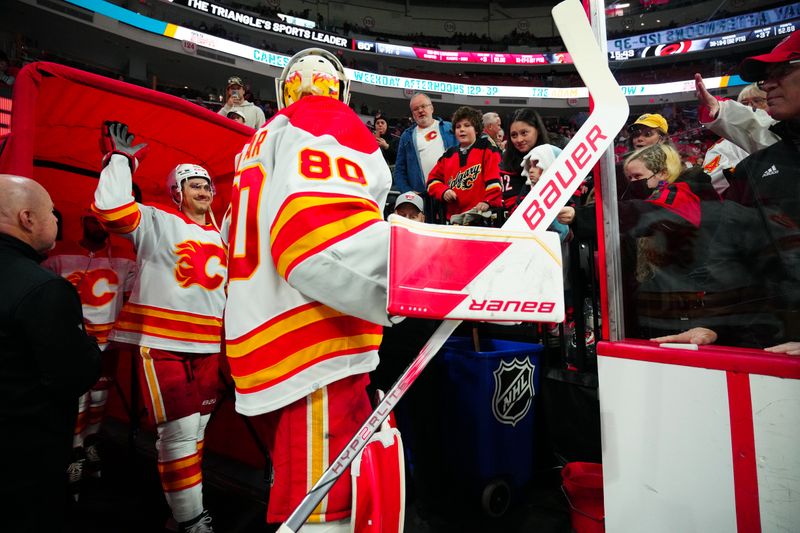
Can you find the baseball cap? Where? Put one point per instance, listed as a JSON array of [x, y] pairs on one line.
[[755, 68], [652, 120], [235, 80], [409, 198], [236, 112]]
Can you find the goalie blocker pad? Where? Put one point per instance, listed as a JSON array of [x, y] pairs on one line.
[[474, 273], [379, 483]]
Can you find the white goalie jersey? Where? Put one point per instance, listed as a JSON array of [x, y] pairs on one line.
[[179, 293], [307, 255]]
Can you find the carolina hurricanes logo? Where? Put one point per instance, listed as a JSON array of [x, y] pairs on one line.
[[661, 50], [88, 282], [431, 135], [193, 262], [712, 165]]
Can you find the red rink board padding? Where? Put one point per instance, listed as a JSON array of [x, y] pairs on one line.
[[55, 130]]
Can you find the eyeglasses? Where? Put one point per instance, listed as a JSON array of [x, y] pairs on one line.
[[756, 100], [778, 72], [201, 187], [420, 107]]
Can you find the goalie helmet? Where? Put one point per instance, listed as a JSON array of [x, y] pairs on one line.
[[312, 71], [180, 174]]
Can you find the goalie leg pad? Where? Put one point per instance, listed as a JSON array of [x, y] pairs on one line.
[[379, 484]]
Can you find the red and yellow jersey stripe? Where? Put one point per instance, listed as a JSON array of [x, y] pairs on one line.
[[310, 222], [122, 219], [181, 473], [99, 331], [169, 324], [295, 340]]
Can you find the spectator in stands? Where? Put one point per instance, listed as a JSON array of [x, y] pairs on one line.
[[235, 100], [8, 74], [648, 130], [492, 127], [387, 144], [237, 115], [467, 176], [420, 146], [724, 155], [501, 140], [46, 362], [526, 131], [535, 162], [748, 128], [418, 423], [767, 182]]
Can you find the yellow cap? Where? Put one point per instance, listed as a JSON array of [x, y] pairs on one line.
[[653, 120]]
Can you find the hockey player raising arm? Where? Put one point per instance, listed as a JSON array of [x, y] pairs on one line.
[[174, 314]]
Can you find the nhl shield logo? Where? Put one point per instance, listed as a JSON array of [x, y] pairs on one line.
[[513, 391]]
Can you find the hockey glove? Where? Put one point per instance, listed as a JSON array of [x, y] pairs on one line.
[[115, 139]]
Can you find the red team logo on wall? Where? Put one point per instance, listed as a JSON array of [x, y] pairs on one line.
[[193, 262], [85, 283]]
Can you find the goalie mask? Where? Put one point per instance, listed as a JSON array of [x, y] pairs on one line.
[[182, 173], [312, 71]]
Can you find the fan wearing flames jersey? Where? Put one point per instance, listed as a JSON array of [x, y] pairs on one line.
[[307, 281], [467, 176], [174, 313], [102, 271]]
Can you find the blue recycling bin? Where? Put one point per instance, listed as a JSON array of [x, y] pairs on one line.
[[488, 418]]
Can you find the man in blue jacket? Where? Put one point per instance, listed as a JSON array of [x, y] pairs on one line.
[[421, 146]]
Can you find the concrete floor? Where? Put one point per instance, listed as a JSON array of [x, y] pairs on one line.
[[127, 498]]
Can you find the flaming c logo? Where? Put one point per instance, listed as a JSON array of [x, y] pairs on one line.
[[193, 259], [712, 165], [86, 282]]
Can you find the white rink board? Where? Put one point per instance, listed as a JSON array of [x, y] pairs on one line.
[[776, 413], [667, 463]]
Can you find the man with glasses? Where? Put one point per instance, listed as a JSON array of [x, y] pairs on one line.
[[725, 154], [421, 146], [769, 182]]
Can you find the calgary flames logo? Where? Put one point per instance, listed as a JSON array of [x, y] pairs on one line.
[[712, 165], [192, 265], [464, 179], [87, 282]]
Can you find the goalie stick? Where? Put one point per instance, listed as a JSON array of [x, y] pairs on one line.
[[535, 212]]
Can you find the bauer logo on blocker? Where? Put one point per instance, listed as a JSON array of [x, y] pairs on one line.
[[513, 391]]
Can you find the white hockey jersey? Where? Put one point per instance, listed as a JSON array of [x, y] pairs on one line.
[[722, 156], [178, 295], [307, 255], [102, 278]]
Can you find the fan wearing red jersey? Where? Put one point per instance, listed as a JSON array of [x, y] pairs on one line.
[[467, 176], [174, 314], [102, 271], [307, 281]]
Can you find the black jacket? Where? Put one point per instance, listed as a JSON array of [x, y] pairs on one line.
[[46, 359]]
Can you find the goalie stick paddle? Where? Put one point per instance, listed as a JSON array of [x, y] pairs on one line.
[[535, 213]]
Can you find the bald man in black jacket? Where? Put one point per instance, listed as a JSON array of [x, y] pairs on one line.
[[46, 362]]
